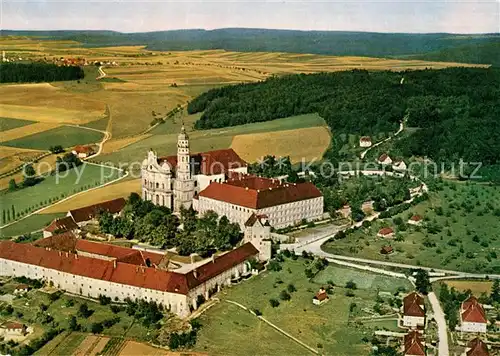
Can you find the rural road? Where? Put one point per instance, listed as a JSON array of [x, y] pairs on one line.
[[101, 75], [441, 322], [401, 128]]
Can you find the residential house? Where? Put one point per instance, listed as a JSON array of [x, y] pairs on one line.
[[384, 159], [415, 220], [367, 207], [12, 330], [365, 141], [58, 226], [83, 151], [21, 289], [414, 344], [386, 232], [386, 250], [413, 310], [476, 347], [472, 316], [345, 212], [321, 297], [399, 165]]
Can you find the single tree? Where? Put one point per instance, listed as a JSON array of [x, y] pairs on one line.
[[422, 281], [12, 185]]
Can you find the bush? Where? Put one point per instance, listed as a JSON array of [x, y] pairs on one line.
[[115, 309], [274, 302], [351, 285], [291, 288], [284, 295], [96, 328]]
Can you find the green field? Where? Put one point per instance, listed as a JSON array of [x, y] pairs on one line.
[[329, 328], [55, 187], [164, 140], [32, 223], [364, 280], [7, 123], [461, 232], [66, 136]]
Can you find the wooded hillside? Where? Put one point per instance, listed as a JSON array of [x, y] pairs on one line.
[[37, 72]]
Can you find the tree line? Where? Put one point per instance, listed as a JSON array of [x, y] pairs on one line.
[[446, 105], [38, 72]]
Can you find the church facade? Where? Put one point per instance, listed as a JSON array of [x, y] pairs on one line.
[[173, 181]]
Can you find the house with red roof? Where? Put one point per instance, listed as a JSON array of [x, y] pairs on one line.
[[90, 213], [61, 225], [83, 151], [386, 232], [386, 250], [413, 310], [399, 165], [284, 204], [472, 316], [384, 159], [321, 297], [124, 275], [477, 347], [413, 344], [415, 220], [13, 330], [365, 141]]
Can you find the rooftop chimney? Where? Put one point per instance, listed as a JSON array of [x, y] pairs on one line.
[[213, 258], [195, 273], [114, 263]]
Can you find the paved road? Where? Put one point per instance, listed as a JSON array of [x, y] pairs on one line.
[[102, 74], [441, 322]]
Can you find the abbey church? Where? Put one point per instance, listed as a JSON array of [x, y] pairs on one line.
[[219, 181]]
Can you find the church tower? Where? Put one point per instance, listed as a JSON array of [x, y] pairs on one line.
[[184, 182]]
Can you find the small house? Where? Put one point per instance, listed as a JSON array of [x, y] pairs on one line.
[[83, 151], [321, 297], [386, 250], [386, 232], [384, 159], [472, 316], [12, 329], [365, 141], [345, 212], [21, 289], [414, 344], [399, 165], [477, 347], [367, 207], [413, 310], [415, 220]]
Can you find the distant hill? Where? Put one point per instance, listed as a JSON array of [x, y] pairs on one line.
[[436, 46]]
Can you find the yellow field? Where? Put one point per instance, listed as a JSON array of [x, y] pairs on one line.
[[477, 287], [45, 165], [11, 157], [116, 145], [26, 130], [50, 115], [113, 191], [307, 143]]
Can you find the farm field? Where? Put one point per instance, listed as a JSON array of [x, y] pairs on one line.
[[461, 231], [66, 136], [31, 223], [207, 140], [55, 187], [477, 287], [9, 123], [326, 328], [11, 157]]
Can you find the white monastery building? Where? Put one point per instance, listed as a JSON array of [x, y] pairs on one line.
[[218, 181]]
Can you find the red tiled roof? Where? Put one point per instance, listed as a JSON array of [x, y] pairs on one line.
[[62, 225], [321, 296], [386, 249], [477, 348], [13, 325], [22, 287], [413, 305], [124, 273], [473, 312], [413, 344], [89, 212], [83, 149], [383, 157], [416, 218], [211, 162], [365, 139], [62, 242], [254, 218], [386, 231], [259, 193]]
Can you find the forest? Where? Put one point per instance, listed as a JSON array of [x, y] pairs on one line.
[[38, 72], [455, 110]]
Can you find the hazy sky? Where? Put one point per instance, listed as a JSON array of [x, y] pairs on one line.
[[359, 15]]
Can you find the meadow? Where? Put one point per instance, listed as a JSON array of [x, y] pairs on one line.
[[328, 328], [56, 187], [7, 123], [66, 136], [31, 223], [460, 231]]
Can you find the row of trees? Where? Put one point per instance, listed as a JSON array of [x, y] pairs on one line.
[[38, 72], [158, 226], [447, 105]]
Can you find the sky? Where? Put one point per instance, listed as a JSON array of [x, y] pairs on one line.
[[414, 16]]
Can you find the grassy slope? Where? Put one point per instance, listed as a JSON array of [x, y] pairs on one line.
[[462, 227], [224, 326], [68, 183], [66, 136], [7, 123], [31, 223]]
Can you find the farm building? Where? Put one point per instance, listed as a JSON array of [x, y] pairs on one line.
[[58, 226], [414, 344], [386, 232], [365, 141], [384, 159], [321, 297], [88, 213], [415, 220], [83, 151], [477, 347], [91, 270], [413, 310], [472, 316], [386, 250]]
